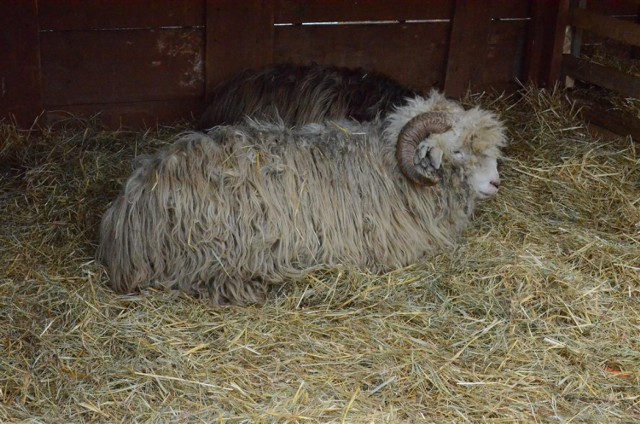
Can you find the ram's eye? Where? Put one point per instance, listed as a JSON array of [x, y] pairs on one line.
[[458, 154]]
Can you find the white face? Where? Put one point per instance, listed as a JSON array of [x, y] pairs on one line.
[[485, 180], [473, 148], [480, 172]]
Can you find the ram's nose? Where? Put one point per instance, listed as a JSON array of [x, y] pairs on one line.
[[489, 189]]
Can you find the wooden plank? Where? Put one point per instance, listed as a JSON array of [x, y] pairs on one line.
[[413, 54], [239, 36], [614, 7], [467, 46], [504, 60], [612, 121], [606, 77], [112, 14], [616, 29], [510, 9], [132, 115], [121, 66], [543, 55], [296, 11], [20, 90]]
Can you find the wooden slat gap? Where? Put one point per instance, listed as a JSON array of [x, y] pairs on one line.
[[615, 29]]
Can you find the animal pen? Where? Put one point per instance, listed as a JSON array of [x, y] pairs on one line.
[[534, 316]]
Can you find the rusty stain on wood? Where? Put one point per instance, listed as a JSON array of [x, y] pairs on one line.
[[141, 65], [187, 49]]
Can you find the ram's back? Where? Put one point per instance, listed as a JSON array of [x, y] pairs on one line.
[[262, 202]]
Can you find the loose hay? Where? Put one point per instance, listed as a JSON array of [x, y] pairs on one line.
[[535, 317]]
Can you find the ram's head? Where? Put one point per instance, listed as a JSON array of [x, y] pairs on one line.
[[468, 142]]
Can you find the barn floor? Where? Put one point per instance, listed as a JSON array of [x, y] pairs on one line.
[[535, 317]]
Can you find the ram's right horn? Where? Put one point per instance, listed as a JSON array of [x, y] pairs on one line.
[[410, 160]]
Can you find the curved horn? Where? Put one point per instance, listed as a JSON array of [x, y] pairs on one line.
[[416, 130]]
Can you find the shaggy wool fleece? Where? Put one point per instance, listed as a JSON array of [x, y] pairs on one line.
[[226, 214]]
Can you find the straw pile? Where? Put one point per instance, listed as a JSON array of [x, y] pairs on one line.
[[535, 317]]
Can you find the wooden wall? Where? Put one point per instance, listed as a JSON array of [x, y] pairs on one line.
[[142, 62]]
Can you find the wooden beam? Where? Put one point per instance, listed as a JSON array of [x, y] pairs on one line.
[[92, 67], [20, 86], [77, 15], [603, 76], [296, 11], [543, 58], [239, 36], [614, 122], [467, 46], [351, 46], [616, 29], [135, 115]]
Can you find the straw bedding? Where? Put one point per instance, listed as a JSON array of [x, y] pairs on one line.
[[535, 317]]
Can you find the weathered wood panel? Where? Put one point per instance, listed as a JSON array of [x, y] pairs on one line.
[[295, 11], [132, 115], [486, 45], [543, 56], [603, 76], [616, 29], [414, 54], [161, 55], [614, 7], [594, 44], [613, 121], [110, 14], [467, 46], [510, 9], [239, 36], [504, 56], [20, 89], [121, 66]]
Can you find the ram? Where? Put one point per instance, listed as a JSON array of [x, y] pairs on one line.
[[227, 214], [304, 94]]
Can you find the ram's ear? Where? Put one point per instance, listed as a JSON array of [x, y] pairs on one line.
[[428, 160], [415, 144], [435, 157]]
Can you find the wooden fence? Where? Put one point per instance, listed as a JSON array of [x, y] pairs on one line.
[[601, 22], [141, 62]]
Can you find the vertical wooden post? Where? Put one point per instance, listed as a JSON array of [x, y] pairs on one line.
[[575, 40], [467, 46], [20, 74], [239, 36], [543, 59]]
